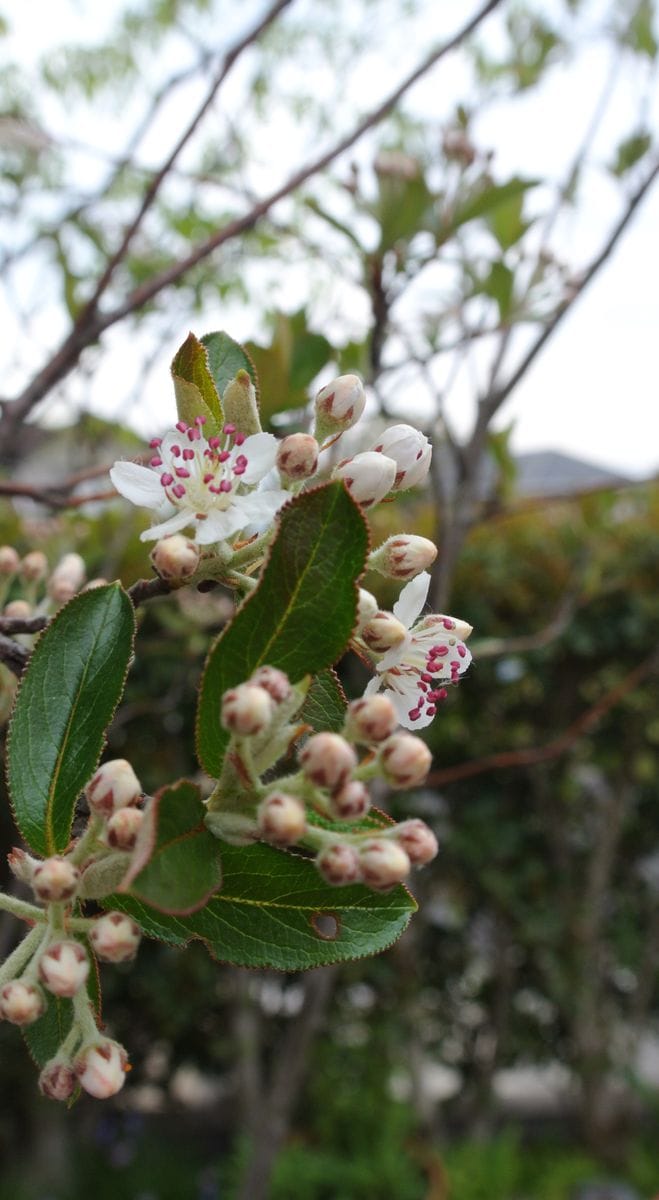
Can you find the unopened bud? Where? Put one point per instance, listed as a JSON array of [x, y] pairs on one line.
[[115, 785], [411, 452], [339, 864], [101, 1068], [369, 477], [371, 719], [383, 632], [274, 681], [115, 937], [55, 879], [418, 841], [383, 864], [64, 967], [327, 760], [19, 609], [281, 819], [21, 1003], [9, 560], [22, 864], [367, 607], [395, 164], [57, 1081], [123, 827], [175, 557], [350, 802], [458, 147], [403, 556], [339, 405], [247, 710], [34, 566], [67, 578], [239, 404], [405, 760], [297, 456]]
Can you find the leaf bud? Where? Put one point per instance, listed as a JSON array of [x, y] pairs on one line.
[[247, 709], [369, 477], [367, 607], [297, 456], [383, 863], [274, 681], [101, 1068], [34, 567], [9, 560], [55, 879], [282, 819], [371, 719], [64, 967], [123, 827], [115, 937], [175, 558], [339, 405], [383, 632], [405, 760], [411, 452], [403, 556], [339, 864], [114, 786], [239, 404], [19, 609], [67, 578], [418, 841], [351, 801], [328, 760], [21, 1003], [57, 1081]]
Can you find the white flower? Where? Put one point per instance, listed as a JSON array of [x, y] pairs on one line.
[[411, 452], [432, 652], [210, 484]]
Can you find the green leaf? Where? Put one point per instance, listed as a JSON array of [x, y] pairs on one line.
[[640, 35], [196, 394], [176, 864], [300, 617], [225, 359], [404, 208], [483, 204], [325, 703], [65, 702], [499, 285], [629, 152], [506, 221], [275, 911]]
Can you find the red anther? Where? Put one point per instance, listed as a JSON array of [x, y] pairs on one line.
[[176, 450], [426, 678], [431, 710], [229, 429], [423, 687], [214, 489], [200, 420], [155, 461], [179, 491], [225, 485], [208, 477], [224, 455], [448, 623], [182, 472], [188, 454], [439, 651], [441, 694], [239, 470], [462, 650], [239, 439], [414, 714], [214, 442], [181, 426], [166, 479], [241, 461], [155, 443]]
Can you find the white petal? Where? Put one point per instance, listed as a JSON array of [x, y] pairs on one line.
[[372, 686], [412, 599], [403, 703], [218, 526], [258, 509], [180, 519], [140, 485], [260, 450], [398, 654]]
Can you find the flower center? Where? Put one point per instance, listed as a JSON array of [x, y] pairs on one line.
[[200, 474]]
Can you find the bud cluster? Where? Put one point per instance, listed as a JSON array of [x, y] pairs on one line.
[[28, 588]]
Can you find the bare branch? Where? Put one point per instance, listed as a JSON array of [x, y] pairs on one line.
[[13, 655]]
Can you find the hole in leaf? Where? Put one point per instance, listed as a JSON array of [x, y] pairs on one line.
[[326, 925]]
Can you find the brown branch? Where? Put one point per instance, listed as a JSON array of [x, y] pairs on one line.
[[495, 647], [58, 495], [13, 655], [14, 625], [148, 589]]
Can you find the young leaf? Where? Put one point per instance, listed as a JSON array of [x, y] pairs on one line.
[[65, 702], [176, 864], [275, 911], [325, 703], [196, 394], [225, 359], [301, 615]]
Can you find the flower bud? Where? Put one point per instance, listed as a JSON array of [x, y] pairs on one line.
[[339, 864], [403, 556], [64, 967], [21, 1003], [418, 841], [369, 477], [57, 1081], [383, 863], [101, 1068], [351, 801], [367, 607], [395, 164], [297, 456], [405, 760], [383, 632], [411, 452], [327, 760], [274, 681], [281, 819], [55, 879], [67, 578], [115, 937], [371, 719], [339, 405], [114, 786], [123, 827], [22, 864], [9, 560], [19, 609], [247, 709], [34, 566], [176, 557]]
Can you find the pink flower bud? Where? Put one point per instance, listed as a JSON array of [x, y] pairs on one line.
[[115, 937], [405, 760], [64, 967], [369, 477], [123, 827], [175, 557], [19, 609], [371, 719], [411, 452], [247, 709], [351, 801], [275, 683], [404, 556], [383, 632], [418, 841], [34, 566], [57, 1081], [327, 760], [297, 456], [367, 607], [339, 864], [281, 819], [339, 405], [101, 1068], [55, 879], [67, 578], [22, 864], [383, 863], [21, 1003], [9, 560], [114, 786]]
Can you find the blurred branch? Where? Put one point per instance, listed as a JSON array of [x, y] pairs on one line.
[[495, 647], [13, 655], [59, 495]]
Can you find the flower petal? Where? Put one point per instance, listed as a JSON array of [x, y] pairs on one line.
[[140, 485], [260, 450], [412, 599], [180, 519]]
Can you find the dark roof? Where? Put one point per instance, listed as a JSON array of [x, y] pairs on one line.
[[551, 473]]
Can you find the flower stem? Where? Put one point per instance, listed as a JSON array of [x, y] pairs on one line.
[[13, 965], [19, 908]]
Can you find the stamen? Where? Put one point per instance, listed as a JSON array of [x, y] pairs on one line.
[[155, 443], [208, 478], [200, 420], [188, 454], [176, 451], [181, 426], [462, 651], [179, 491], [225, 485], [155, 462], [239, 439], [166, 479], [182, 472], [224, 455], [229, 429], [214, 443]]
